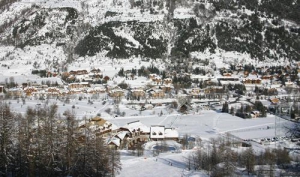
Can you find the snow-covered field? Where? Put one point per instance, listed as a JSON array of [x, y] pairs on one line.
[[166, 164]]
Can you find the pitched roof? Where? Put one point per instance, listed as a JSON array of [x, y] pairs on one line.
[[171, 133], [137, 125], [114, 140]]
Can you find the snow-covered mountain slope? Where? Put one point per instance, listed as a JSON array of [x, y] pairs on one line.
[[31, 30]]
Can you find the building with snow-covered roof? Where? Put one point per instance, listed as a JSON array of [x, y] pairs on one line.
[[156, 93], [80, 85], [138, 132], [168, 81], [30, 90], [119, 140], [252, 81], [116, 93], [160, 132], [113, 142], [171, 134], [100, 126], [157, 132], [138, 93], [137, 126]]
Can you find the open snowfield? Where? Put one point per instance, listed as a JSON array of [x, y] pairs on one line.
[[166, 164]]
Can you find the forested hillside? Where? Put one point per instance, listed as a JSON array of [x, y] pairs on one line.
[[265, 29]]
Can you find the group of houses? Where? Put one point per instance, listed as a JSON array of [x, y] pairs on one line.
[[208, 86], [126, 136]]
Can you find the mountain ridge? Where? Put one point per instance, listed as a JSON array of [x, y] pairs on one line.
[[155, 29]]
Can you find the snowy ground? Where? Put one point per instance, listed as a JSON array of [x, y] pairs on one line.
[[166, 164], [205, 124]]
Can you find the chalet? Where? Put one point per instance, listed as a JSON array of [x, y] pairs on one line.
[[97, 127], [252, 81], [157, 80], [122, 135], [195, 92], [53, 91], [138, 93], [100, 126], [78, 72], [118, 139], [138, 132], [96, 90], [80, 85], [41, 94], [113, 142], [156, 93], [29, 90], [167, 81], [116, 93]]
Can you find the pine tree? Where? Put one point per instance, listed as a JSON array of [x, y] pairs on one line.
[[6, 137], [225, 107]]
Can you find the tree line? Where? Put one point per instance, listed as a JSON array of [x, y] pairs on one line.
[[44, 143], [220, 159]]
